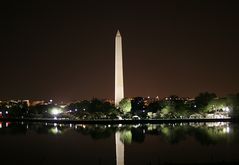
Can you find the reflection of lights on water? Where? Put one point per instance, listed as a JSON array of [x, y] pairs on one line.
[[226, 130], [125, 136], [216, 124], [55, 130], [151, 127], [27, 126], [70, 125], [224, 126], [81, 125], [136, 126], [45, 124]]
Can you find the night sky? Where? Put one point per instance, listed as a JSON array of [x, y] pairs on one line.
[[65, 50]]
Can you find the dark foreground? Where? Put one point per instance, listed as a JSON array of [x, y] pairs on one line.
[[43, 142], [206, 163]]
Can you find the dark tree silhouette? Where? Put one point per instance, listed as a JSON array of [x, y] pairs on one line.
[[202, 100]]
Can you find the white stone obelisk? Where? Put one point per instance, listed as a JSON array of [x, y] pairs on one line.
[[119, 82], [119, 94]]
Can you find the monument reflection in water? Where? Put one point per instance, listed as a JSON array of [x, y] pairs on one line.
[[45, 143]]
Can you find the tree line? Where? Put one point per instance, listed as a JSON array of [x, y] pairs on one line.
[[170, 107]]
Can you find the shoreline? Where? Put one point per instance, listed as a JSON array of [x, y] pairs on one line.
[[116, 121]]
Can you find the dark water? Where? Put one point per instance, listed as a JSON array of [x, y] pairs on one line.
[[186, 143]]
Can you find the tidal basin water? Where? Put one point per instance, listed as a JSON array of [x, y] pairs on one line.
[[181, 143]]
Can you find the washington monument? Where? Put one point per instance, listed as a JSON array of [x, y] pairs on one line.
[[119, 82], [119, 94]]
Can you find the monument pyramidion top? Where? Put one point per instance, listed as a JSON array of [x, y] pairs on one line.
[[118, 33]]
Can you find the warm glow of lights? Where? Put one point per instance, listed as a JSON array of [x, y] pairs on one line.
[[56, 111], [226, 109], [63, 106], [120, 118]]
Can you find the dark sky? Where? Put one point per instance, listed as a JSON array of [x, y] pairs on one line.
[[65, 50]]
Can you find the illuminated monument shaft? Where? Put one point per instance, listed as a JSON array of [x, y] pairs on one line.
[[119, 94], [119, 82]]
